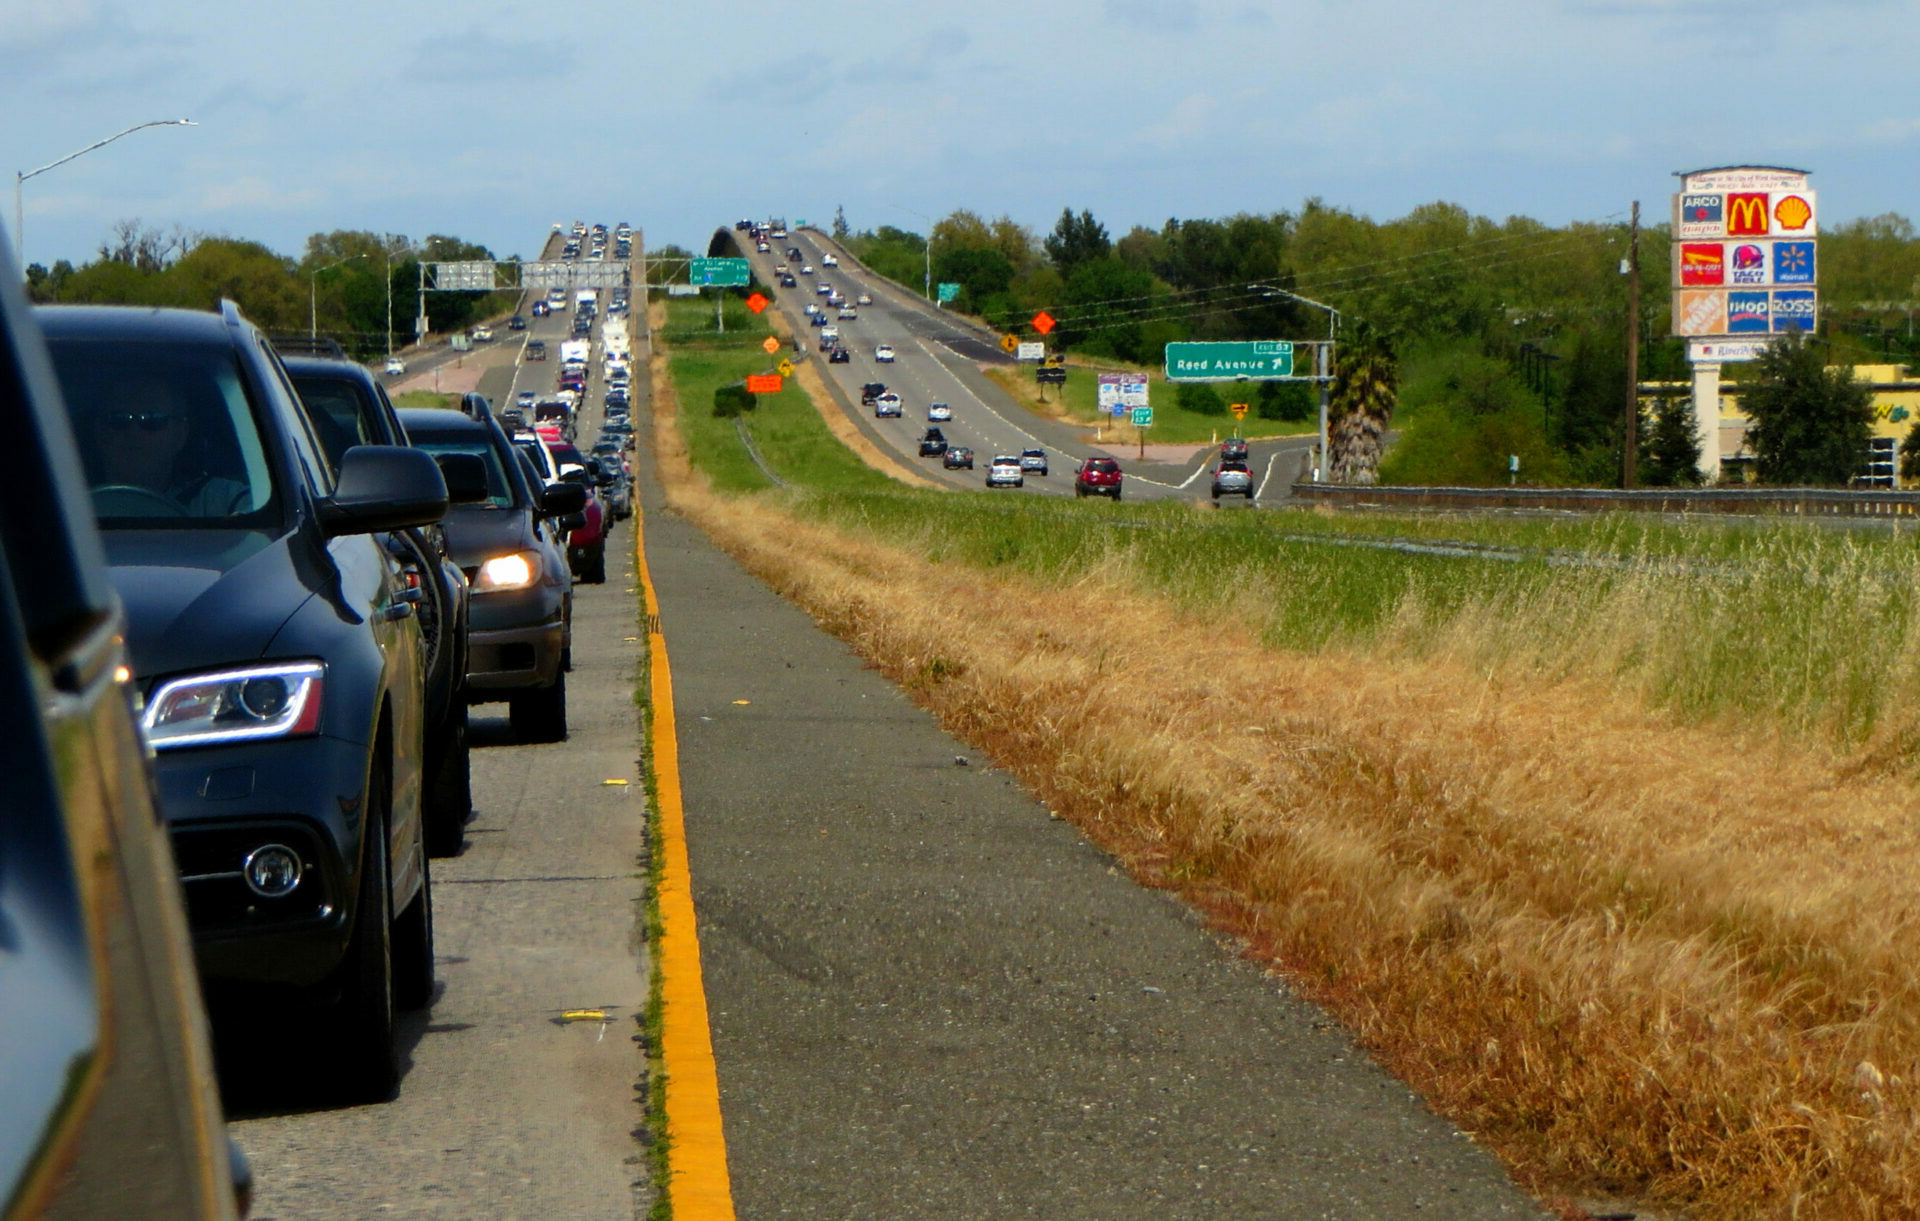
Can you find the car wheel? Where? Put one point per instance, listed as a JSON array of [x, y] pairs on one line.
[[449, 787], [540, 715], [370, 1070], [1079, 493], [1249, 493], [1116, 494], [1216, 493], [596, 566], [413, 947]]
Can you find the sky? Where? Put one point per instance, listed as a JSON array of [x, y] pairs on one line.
[[492, 120]]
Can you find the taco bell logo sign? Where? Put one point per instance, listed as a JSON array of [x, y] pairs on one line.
[[1748, 265], [1793, 310], [1747, 313], [1793, 262]]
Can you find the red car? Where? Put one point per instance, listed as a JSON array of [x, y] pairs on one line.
[[1097, 477], [587, 543]]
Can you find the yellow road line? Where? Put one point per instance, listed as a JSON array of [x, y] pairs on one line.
[[698, 1188]]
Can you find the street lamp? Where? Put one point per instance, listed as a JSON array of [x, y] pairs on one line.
[[1325, 369], [313, 294], [927, 284], [386, 250], [19, 179]]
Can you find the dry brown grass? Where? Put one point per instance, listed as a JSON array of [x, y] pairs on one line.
[[1629, 955]]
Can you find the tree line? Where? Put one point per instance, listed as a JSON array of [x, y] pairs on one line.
[[341, 281], [1509, 336]]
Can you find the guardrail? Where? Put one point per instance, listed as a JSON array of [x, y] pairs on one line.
[[1787, 502]]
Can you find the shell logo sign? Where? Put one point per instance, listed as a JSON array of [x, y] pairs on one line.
[[1793, 214]]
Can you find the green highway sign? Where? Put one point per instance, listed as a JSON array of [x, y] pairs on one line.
[[1259, 360], [719, 273], [1143, 417], [946, 291]]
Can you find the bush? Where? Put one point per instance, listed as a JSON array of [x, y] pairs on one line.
[[1200, 399], [732, 400], [1286, 401]]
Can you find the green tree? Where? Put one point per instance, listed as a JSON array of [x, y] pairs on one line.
[[1199, 398], [1810, 423], [1910, 453], [1076, 240], [1366, 385], [1294, 401], [840, 229], [1670, 447]]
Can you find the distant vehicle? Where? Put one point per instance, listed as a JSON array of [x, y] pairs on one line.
[[536, 349], [933, 443], [871, 391], [822, 288], [1004, 472], [762, 247], [1232, 479], [819, 319], [556, 298], [957, 457], [517, 323], [1097, 477], [806, 269], [787, 281], [887, 406], [524, 399], [939, 412], [1234, 449], [827, 260], [395, 366], [884, 353], [848, 313], [839, 356], [541, 309], [863, 299], [1033, 461]]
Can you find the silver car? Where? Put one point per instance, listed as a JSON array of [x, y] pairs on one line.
[[1004, 472], [1232, 479]]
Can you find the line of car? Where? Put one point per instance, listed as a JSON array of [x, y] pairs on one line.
[[286, 594]]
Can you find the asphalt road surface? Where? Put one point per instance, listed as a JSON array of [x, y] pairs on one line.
[[928, 997]]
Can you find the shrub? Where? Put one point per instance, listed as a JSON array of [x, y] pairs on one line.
[[732, 400], [1200, 399]]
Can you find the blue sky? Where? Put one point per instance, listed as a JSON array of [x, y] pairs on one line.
[[491, 120]]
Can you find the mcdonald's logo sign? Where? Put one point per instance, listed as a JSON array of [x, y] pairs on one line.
[[1747, 215]]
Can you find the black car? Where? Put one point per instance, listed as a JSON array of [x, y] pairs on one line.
[[108, 1107], [839, 356], [933, 443], [787, 280], [957, 456], [349, 407], [279, 660], [512, 546], [870, 392], [517, 323]]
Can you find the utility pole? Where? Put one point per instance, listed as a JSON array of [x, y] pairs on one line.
[[1628, 474]]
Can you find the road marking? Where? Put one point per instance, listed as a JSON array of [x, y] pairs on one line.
[[698, 1188]]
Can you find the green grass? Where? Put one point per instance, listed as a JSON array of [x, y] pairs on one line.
[[423, 398], [1171, 424], [789, 433]]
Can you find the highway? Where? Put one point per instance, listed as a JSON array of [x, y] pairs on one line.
[[926, 997], [938, 359]]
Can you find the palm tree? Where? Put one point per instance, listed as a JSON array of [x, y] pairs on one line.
[[1366, 384]]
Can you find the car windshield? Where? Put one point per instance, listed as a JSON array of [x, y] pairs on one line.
[[167, 433], [499, 494]]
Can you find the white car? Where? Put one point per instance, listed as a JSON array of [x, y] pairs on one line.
[[884, 353], [1005, 473], [395, 366], [887, 406], [827, 260], [806, 269], [483, 334], [939, 412], [848, 312]]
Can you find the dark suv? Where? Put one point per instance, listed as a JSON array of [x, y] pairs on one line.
[[277, 652], [108, 1107], [512, 546], [348, 407]]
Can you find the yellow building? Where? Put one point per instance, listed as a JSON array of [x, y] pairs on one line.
[[1896, 408]]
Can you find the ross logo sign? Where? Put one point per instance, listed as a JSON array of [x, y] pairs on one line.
[[1792, 310], [1702, 263], [1700, 313], [1793, 213], [1793, 263], [1747, 214], [1748, 264], [1747, 313], [1701, 215]]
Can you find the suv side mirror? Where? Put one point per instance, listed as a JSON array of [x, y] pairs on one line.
[[466, 477], [384, 487], [563, 499]]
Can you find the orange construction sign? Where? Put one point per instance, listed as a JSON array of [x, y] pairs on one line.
[[763, 383]]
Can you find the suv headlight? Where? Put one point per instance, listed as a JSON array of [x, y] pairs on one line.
[[515, 570], [276, 701]]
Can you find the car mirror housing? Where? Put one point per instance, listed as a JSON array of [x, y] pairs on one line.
[[384, 487], [563, 499], [466, 477]]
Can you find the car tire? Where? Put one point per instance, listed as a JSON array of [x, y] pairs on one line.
[[540, 715], [1079, 493], [370, 1069], [449, 801], [1216, 493], [596, 566], [1249, 493], [1116, 495], [413, 947]]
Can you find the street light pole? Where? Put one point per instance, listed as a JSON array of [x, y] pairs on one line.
[[926, 285], [313, 294], [1324, 370], [20, 179]]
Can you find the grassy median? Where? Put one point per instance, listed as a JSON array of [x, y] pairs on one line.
[[1608, 845]]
